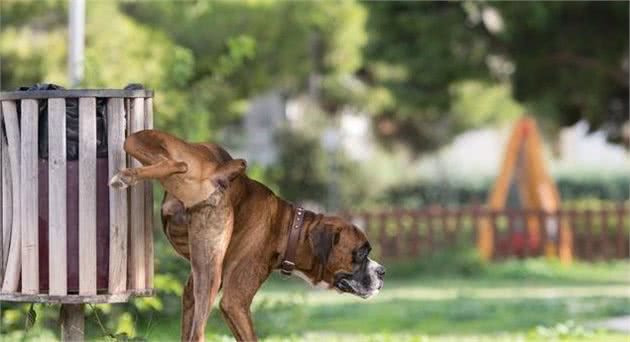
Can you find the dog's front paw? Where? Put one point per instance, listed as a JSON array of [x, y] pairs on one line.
[[122, 180]]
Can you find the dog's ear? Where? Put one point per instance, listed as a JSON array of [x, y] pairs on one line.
[[227, 172], [322, 239]]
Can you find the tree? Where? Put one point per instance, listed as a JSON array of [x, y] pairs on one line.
[[565, 61], [243, 48], [571, 60], [415, 52]]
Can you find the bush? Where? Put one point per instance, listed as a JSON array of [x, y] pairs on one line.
[[571, 187], [564, 330], [464, 262]]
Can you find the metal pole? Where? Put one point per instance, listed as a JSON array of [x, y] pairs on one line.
[[76, 41]]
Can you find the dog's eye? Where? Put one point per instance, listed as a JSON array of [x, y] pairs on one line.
[[361, 254]]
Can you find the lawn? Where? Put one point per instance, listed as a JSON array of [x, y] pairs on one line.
[[531, 300], [495, 307]]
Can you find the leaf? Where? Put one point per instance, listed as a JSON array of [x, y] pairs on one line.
[[31, 317], [121, 337]]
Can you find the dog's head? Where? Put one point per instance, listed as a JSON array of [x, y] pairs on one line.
[[342, 250]]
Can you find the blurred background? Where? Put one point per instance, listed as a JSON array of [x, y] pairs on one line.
[[481, 145]]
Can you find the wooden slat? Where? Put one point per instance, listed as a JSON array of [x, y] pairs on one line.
[[148, 205], [117, 198], [511, 229], [603, 236], [589, 236], [458, 231], [400, 233], [540, 216], [87, 196], [382, 236], [414, 239], [14, 255], [475, 213], [621, 235], [136, 222], [429, 236], [57, 241], [29, 197], [3, 227], [7, 200], [526, 233], [447, 231]]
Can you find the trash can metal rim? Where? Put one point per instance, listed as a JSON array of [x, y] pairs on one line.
[[73, 93]]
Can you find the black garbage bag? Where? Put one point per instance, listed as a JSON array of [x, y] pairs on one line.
[[72, 124], [134, 86]]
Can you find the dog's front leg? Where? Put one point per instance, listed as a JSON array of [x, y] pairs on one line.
[[240, 284], [209, 234]]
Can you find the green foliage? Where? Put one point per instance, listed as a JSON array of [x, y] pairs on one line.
[[426, 71], [412, 59], [300, 178], [304, 171], [242, 52], [562, 331], [31, 317], [571, 72], [478, 104], [202, 72], [553, 55], [458, 261], [574, 189], [465, 264]]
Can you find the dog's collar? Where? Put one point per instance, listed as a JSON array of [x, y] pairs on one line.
[[295, 230]]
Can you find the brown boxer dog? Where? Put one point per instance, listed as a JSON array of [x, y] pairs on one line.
[[268, 234]]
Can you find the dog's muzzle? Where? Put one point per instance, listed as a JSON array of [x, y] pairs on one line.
[[365, 281]]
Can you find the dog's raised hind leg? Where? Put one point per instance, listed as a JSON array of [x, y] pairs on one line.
[[131, 176]]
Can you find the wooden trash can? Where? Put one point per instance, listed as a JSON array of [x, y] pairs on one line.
[[65, 235]]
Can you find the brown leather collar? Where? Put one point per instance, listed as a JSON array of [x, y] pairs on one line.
[[295, 230]]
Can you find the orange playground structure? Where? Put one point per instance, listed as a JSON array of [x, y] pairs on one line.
[[523, 174]]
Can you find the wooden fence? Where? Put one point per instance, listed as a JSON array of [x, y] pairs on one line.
[[597, 234]]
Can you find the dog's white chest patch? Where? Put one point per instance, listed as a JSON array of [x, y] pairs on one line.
[[321, 285]]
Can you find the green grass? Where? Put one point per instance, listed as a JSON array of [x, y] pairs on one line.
[[518, 300], [443, 309]]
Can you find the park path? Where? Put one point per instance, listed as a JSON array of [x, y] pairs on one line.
[[619, 324], [323, 297]]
